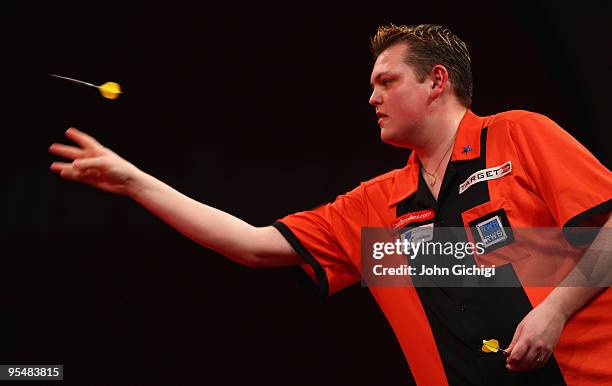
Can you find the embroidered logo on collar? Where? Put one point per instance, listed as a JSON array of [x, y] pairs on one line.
[[486, 174], [467, 149]]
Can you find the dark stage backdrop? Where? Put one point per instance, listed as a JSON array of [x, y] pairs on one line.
[[260, 111]]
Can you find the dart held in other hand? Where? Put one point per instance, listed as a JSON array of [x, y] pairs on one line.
[[491, 345], [109, 90]]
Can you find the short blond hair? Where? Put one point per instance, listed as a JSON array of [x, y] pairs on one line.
[[430, 45]]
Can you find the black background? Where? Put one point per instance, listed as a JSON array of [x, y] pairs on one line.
[[259, 110]]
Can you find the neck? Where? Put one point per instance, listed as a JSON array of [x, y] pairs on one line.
[[441, 133]]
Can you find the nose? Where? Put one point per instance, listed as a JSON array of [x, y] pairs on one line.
[[375, 99]]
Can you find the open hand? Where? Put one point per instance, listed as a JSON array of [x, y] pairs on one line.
[[93, 164]]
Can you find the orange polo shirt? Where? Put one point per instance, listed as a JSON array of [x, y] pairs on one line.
[[545, 178]]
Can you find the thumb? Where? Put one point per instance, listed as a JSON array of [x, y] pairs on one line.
[[86, 163], [515, 338]]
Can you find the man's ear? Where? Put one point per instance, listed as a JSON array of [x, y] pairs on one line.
[[439, 80]]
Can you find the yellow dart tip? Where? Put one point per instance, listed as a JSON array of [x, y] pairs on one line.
[[110, 90]]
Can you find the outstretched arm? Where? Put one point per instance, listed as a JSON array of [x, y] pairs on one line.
[[100, 167]]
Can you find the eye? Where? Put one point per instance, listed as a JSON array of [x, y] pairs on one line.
[[387, 82]]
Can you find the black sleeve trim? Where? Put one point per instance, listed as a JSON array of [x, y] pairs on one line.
[[320, 274], [581, 238]]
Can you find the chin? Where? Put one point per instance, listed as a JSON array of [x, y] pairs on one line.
[[389, 138]]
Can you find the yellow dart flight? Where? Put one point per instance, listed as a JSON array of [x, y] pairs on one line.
[[491, 345], [109, 90]]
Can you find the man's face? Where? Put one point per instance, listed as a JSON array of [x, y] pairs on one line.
[[401, 101]]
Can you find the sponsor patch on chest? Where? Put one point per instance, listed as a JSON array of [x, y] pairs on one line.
[[423, 233], [485, 175], [491, 231]]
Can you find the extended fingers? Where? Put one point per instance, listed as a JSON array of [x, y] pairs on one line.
[[66, 170], [85, 140], [79, 166], [87, 163], [72, 172], [70, 152], [59, 166]]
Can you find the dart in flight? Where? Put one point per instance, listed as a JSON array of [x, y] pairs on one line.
[[109, 90]]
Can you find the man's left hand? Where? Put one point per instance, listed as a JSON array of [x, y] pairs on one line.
[[535, 338]]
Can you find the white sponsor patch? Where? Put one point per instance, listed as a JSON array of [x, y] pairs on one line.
[[418, 234], [491, 231], [486, 174]]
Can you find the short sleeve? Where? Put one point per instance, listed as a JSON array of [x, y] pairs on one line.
[[328, 239], [575, 186]]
